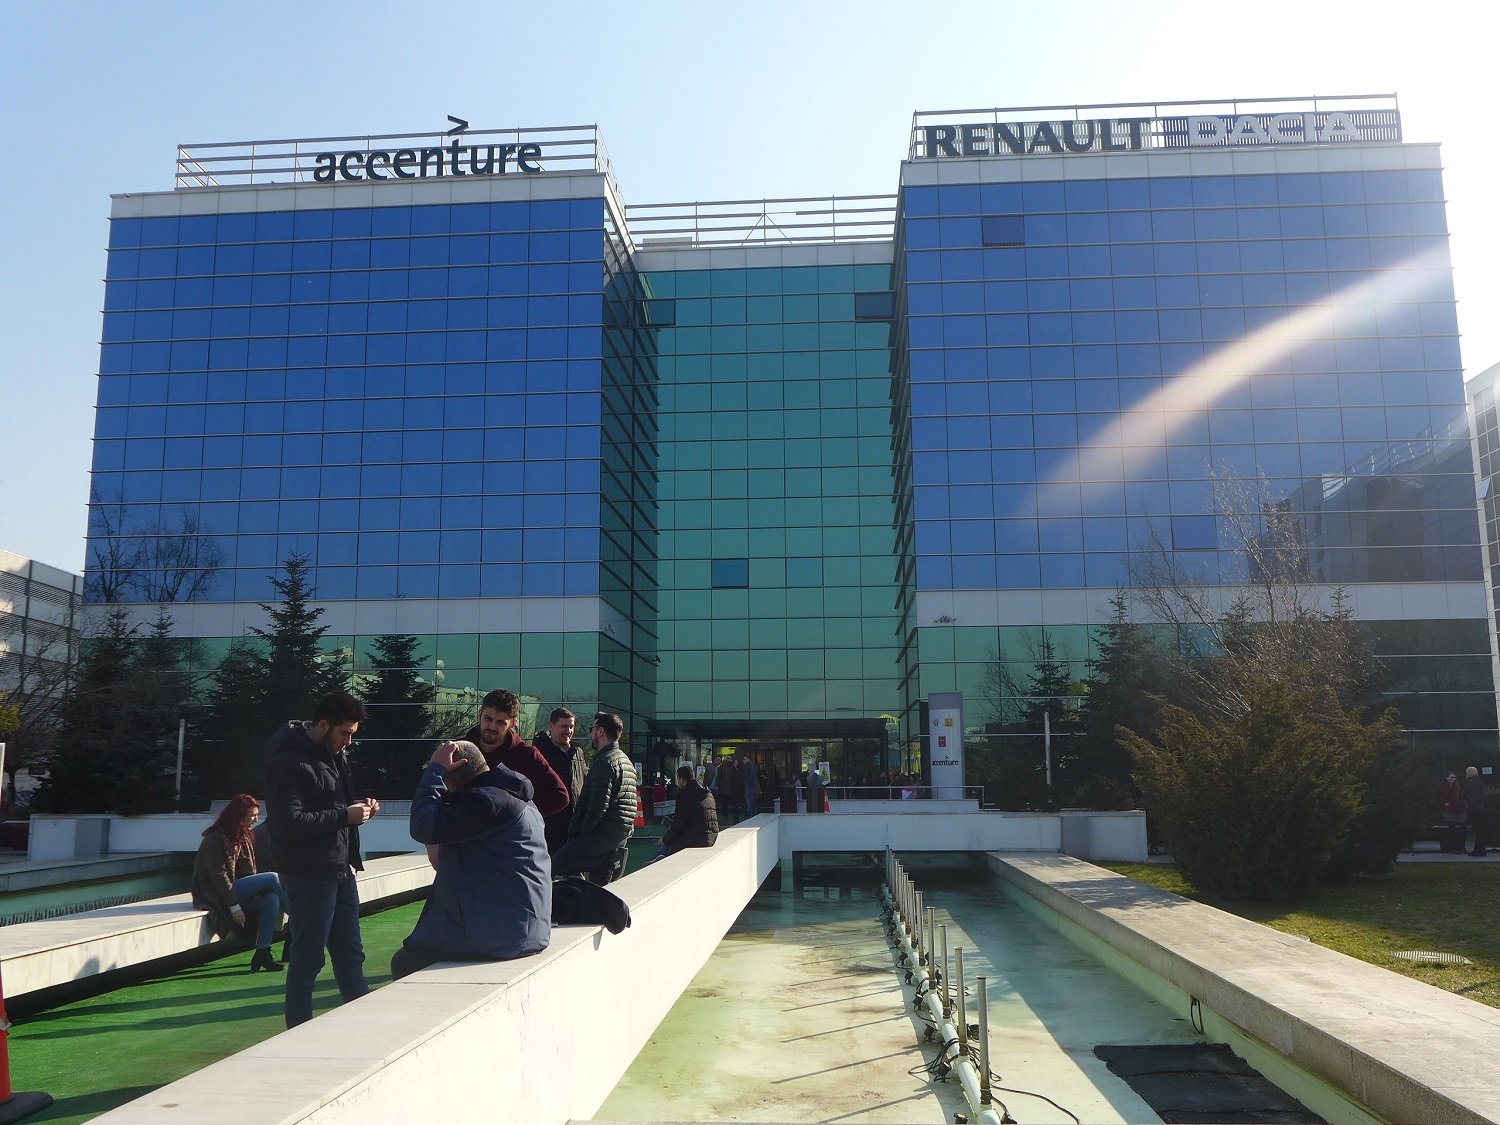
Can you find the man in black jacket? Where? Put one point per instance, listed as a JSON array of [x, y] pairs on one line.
[[566, 760], [604, 816], [695, 824], [314, 821]]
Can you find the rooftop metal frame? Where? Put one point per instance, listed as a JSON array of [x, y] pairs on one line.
[[760, 222], [566, 148]]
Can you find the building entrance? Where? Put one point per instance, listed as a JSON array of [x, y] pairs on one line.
[[857, 752]]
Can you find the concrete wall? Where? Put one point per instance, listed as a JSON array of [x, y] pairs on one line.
[[1104, 837], [1352, 1041], [56, 837], [932, 826], [549, 1036]]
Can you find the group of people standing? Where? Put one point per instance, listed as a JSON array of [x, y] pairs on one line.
[[1463, 808], [501, 818], [736, 784]]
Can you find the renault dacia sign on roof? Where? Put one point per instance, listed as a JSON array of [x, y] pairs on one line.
[[1007, 135]]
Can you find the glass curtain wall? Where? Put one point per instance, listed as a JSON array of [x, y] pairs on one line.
[[1086, 368], [777, 566], [413, 398]]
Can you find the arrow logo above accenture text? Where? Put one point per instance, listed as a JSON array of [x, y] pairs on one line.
[[459, 125]]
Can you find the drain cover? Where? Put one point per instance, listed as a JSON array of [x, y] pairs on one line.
[[1202, 1082], [1435, 958]]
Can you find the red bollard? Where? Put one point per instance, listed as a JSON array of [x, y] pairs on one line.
[[14, 1106]]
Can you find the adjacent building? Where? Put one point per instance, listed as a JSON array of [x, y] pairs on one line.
[[766, 476]]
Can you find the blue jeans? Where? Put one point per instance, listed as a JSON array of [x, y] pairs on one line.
[[324, 916], [752, 805], [261, 895]]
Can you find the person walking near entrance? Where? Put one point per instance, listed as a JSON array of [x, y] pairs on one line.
[[727, 790], [1474, 801], [750, 786]]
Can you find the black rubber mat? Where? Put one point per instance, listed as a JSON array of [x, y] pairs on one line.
[[1203, 1082]]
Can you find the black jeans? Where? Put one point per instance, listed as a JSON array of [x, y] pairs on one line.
[[593, 854]]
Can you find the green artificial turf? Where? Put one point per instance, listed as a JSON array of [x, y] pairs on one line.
[[93, 1055], [1435, 907]]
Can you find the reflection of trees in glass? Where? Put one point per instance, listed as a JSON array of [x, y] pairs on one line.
[[1011, 760], [396, 739], [170, 560], [296, 673], [227, 754], [1128, 673], [117, 744], [263, 682]]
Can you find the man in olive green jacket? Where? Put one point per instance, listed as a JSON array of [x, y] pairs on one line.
[[604, 816]]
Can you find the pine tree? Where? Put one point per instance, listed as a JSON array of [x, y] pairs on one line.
[[295, 676], [1128, 674], [395, 740], [117, 746]]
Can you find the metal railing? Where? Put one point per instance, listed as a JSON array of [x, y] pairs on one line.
[[564, 148], [759, 222], [906, 793]]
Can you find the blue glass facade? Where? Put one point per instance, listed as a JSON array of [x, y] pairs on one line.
[[367, 386], [1094, 367], [787, 493], [436, 402]]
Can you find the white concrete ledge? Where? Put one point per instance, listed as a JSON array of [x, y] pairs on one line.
[[29, 876], [56, 951], [63, 836], [1405, 1050], [944, 826], [556, 1031]]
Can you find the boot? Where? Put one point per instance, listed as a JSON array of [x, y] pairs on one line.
[[264, 960]]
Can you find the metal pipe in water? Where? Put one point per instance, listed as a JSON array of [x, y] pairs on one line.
[[961, 1005], [984, 1043]]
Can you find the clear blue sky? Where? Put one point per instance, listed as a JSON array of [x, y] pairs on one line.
[[695, 100]]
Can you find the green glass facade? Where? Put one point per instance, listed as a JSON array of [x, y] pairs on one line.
[[778, 567]]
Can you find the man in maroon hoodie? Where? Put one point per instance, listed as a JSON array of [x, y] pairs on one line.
[[496, 737]]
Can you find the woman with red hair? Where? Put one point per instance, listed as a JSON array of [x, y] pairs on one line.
[[226, 884]]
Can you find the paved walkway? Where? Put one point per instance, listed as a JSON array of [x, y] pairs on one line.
[[1426, 851]]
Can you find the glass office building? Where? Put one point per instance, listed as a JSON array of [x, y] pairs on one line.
[[766, 476]]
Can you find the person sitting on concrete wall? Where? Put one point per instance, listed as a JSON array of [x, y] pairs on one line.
[[695, 824], [227, 883], [492, 897], [604, 817]]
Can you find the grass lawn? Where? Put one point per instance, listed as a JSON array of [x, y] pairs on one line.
[[1439, 907]]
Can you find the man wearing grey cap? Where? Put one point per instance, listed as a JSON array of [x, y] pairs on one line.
[[492, 897]]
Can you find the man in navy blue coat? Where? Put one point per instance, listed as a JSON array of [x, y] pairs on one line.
[[492, 897]]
